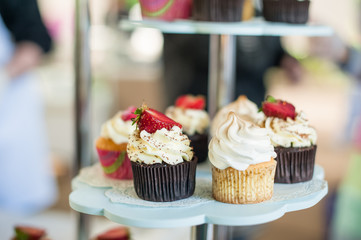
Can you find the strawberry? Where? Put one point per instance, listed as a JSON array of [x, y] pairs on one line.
[[278, 108], [151, 120], [28, 233], [118, 233], [128, 114], [190, 101]]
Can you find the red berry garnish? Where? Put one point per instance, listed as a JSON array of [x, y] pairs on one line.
[[151, 120], [278, 108], [190, 101], [129, 114], [118, 233], [29, 233]]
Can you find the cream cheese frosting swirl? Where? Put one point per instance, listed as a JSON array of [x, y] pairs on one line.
[[171, 147], [290, 133], [239, 143], [243, 107], [193, 120], [116, 129]]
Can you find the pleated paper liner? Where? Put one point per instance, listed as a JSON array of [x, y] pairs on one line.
[[115, 163], [218, 10], [295, 164], [289, 11], [168, 10], [253, 185], [164, 182], [199, 142]]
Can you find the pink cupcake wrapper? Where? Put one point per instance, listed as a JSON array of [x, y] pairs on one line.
[[166, 9], [116, 164]]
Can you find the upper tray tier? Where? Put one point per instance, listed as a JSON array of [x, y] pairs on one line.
[[117, 201], [255, 27]]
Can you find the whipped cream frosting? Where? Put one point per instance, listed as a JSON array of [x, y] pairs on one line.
[[243, 107], [169, 146], [193, 120], [239, 143], [116, 129], [290, 133]]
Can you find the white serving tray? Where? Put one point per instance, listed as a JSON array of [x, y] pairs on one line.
[[198, 209]]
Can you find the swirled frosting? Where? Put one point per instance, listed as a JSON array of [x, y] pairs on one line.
[[192, 120], [290, 133], [243, 107], [171, 147], [239, 143], [116, 129]]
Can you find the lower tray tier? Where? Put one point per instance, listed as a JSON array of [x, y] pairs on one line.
[[119, 203]]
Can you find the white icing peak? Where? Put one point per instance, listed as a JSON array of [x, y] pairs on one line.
[[290, 133], [116, 129], [193, 120], [239, 143], [243, 107], [169, 146]]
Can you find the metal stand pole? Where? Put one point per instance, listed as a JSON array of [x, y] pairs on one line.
[[82, 102], [202, 232], [222, 64], [221, 90]]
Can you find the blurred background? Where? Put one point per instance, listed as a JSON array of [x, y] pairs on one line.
[[127, 68]]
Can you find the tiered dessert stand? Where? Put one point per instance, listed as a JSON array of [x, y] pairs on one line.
[[92, 200]]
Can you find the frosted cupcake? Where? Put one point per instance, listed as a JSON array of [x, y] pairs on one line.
[[243, 165], [293, 138], [243, 107], [189, 112], [162, 160], [111, 146]]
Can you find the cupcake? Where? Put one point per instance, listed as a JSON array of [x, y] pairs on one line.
[[117, 233], [31, 233], [112, 145], [243, 107], [168, 10], [189, 112], [243, 165], [289, 11], [293, 138], [162, 160], [218, 10]]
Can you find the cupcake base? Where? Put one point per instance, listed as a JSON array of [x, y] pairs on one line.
[[253, 185], [164, 182], [114, 159], [218, 10], [199, 142], [290, 11], [295, 164]]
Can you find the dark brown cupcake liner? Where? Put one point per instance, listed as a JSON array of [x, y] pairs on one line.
[[289, 11], [164, 182], [295, 164], [218, 10], [199, 142]]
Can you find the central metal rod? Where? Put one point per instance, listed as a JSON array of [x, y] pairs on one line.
[[221, 91], [82, 102], [222, 72]]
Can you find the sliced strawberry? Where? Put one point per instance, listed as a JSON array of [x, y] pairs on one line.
[[129, 114], [151, 120], [190, 101], [278, 108], [119, 233], [28, 233]]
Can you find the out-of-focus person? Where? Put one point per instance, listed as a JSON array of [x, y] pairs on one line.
[[186, 65], [26, 181], [346, 211]]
